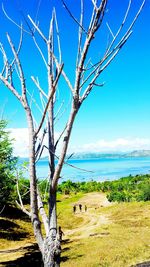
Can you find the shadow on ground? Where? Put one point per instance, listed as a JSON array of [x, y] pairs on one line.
[[31, 258], [143, 264], [12, 212], [67, 242], [11, 231]]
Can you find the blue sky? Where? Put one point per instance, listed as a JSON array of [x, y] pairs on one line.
[[115, 117]]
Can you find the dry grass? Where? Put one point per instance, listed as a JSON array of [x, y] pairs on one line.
[[122, 242], [115, 235]]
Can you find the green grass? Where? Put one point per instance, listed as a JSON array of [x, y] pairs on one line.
[[66, 218], [121, 242]]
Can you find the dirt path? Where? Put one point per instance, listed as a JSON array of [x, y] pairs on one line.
[[92, 218]]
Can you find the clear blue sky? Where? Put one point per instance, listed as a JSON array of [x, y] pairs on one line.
[[120, 109]]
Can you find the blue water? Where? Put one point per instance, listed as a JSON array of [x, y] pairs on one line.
[[99, 169]]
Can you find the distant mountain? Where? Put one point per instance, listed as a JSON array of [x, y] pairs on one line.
[[96, 155], [138, 153], [135, 153]]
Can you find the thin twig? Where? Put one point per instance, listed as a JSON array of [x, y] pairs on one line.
[[71, 165], [38, 29], [48, 102], [39, 87], [80, 34], [58, 37], [72, 16], [14, 21], [21, 74]]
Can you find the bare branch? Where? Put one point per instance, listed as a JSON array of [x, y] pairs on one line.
[[99, 84], [14, 21], [40, 51], [39, 87], [110, 30], [10, 87], [80, 35], [20, 200], [43, 213], [67, 81], [20, 44], [92, 17], [40, 143], [90, 86], [6, 65], [58, 38], [61, 114], [125, 36], [58, 111], [72, 16], [22, 79], [71, 165], [60, 136], [95, 25], [94, 4], [32, 99], [121, 26], [117, 50], [48, 102], [38, 29]]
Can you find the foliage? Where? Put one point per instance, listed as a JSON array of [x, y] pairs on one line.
[[126, 189], [7, 164], [131, 188]]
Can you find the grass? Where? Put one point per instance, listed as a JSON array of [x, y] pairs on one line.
[[122, 241]]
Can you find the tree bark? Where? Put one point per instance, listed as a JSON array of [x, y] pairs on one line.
[[33, 181], [52, 245]]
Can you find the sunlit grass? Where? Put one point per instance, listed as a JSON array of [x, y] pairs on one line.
[[66, 218], [123, 241]]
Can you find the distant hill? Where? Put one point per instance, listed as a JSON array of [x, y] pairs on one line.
[[96, 155], [138, 153]]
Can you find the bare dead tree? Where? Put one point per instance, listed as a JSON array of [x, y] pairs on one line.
[[86, 74]]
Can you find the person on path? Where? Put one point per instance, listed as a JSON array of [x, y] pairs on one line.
[[80, 207], [74, 208], [61, 233]]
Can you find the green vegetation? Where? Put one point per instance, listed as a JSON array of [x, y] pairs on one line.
[[131, 188], [7, 164], [126, 189]]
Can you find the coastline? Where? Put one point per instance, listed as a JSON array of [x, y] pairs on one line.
[[98, 169]]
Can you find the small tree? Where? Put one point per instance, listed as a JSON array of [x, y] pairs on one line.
[[7, 164], [85, 78]]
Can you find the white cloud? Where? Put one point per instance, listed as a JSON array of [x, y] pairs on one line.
[[21, 143], [119, 144], [21, 146]]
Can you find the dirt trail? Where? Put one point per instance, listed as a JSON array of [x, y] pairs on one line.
[[92, 218]]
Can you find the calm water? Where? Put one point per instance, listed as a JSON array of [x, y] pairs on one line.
[[99, 169]]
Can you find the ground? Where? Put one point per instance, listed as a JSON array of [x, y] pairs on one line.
[[91, 219], [106, 235]]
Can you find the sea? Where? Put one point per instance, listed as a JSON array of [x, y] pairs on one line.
[[98, 169]]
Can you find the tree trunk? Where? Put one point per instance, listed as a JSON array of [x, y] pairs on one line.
[[52, 246]]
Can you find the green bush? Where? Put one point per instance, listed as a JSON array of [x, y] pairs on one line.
[[7, 166]]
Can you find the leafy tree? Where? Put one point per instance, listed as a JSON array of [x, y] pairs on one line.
[[7, 163], [144, 192]]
